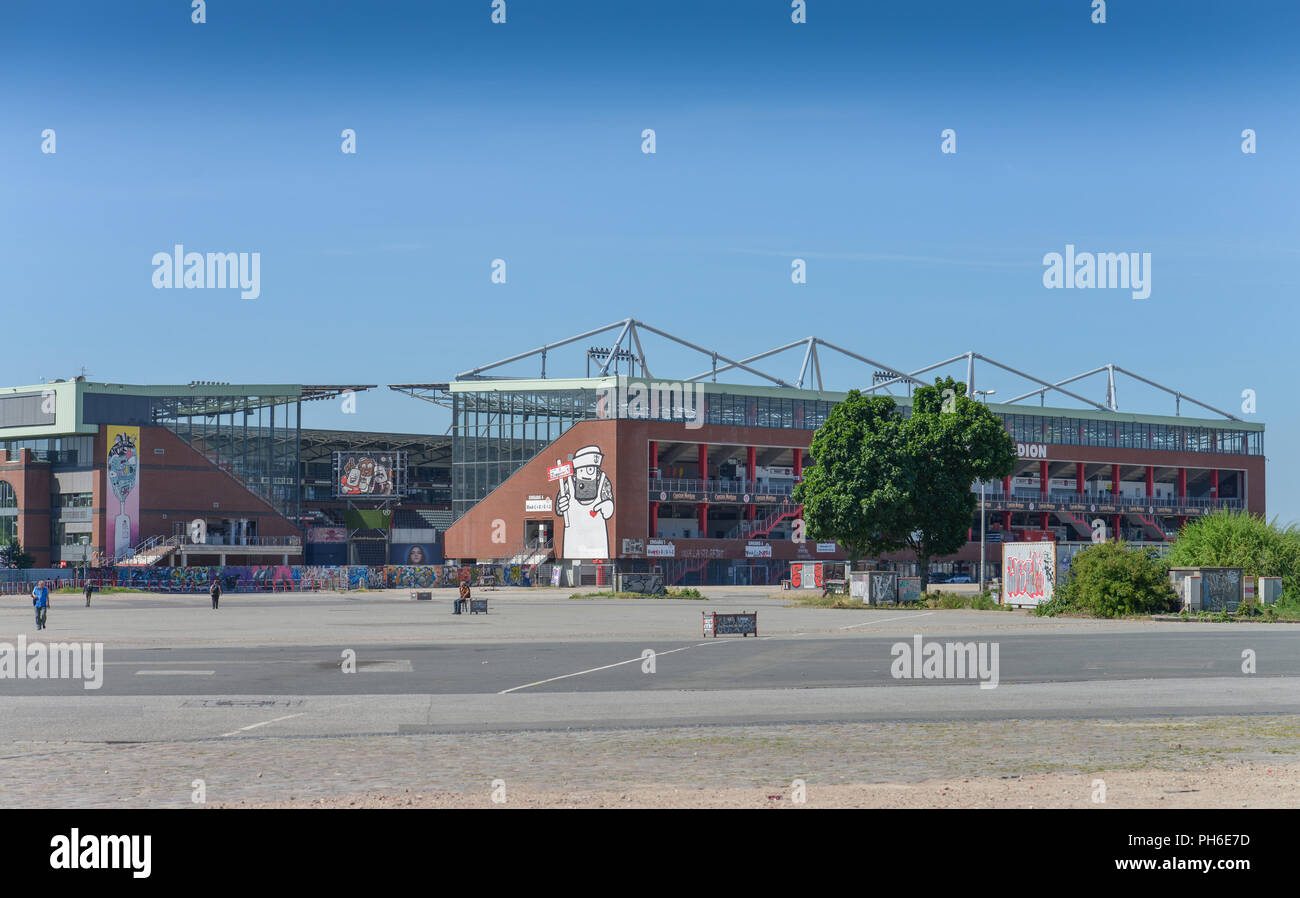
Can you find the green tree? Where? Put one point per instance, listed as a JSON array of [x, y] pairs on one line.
[[851, 492], [12, 555], [950, 442], [882, 481]]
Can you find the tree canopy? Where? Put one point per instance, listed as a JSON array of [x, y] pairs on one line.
[[882, 481]]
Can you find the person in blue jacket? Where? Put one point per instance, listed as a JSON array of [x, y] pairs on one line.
[[41, 599]]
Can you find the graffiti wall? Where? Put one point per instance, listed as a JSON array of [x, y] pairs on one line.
[[292, 578], [1028, 573]]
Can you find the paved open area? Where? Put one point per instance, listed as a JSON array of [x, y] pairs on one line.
[[354, 699]]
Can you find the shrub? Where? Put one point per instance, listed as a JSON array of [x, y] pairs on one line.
[[1239, 539], [1112, 580]]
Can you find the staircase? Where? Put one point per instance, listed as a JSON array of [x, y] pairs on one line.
[[1152, 528], [686, 570], [533, 554], [150, 552], [761, 527], [1080, 525]]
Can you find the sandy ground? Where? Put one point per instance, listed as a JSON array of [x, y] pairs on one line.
[[1248, 786]]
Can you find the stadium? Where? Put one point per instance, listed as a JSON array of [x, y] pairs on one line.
[[602, 469]]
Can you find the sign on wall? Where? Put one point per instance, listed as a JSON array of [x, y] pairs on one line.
[[537, 503], [758, 550], [1028, 573], [1031, 450], [657, 548], [369, 475], [123, 487]]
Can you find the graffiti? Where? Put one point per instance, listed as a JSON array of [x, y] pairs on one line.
[[1028, 572]]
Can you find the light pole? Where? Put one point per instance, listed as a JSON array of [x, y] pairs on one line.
[[985, 394]]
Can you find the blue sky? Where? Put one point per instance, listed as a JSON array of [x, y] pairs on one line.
[[774, 141]]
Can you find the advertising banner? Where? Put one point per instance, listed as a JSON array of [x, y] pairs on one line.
[[123, 488], [362, 475], [414, 554], [1028, 573], [660, 549]]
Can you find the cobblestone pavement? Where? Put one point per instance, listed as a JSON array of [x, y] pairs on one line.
[[1218, 761]]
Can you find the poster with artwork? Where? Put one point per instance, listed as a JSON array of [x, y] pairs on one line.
[[123, 466], [586, 502]]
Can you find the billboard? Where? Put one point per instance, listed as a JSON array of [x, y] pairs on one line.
[[414, 553], [369, 475], [123, 488], [1028, 573]]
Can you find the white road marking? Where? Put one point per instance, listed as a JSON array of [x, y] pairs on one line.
[[262, 724], [174, 673], [606, 667], [900, 617]]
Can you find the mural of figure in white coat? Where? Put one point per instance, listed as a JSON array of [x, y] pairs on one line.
[[586, 502]]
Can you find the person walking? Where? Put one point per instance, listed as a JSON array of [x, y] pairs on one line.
[[89, 590], [215, 591], [41, 600]]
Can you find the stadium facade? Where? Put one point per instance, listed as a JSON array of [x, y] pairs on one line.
[[613, 470]]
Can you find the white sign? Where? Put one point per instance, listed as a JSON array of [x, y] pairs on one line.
[[758, 550], [538, 503], [659, 549], [826, 547], [559, 472], [1031, 450]]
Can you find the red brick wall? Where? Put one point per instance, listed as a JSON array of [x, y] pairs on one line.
[[181, 485], [31, 483]]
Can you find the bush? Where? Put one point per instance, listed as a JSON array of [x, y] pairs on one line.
[[1112, 580], [1239, 539]]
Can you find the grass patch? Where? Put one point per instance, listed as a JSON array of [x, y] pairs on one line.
[[685, 592], [946, 600]]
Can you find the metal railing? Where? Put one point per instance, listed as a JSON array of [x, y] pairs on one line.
[[670, 485], [1108, 499]]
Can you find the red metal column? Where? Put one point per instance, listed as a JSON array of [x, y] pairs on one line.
[[1044, 491], [751, 475], [1151, 482], [1114, 480], [1115, 524], [1214, 484], [654, 457], [1182, 484], [702, 508], [1080, 475], [654, 519], [798, 465]]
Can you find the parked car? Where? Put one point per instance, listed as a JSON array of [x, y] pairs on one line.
[[961, 578]]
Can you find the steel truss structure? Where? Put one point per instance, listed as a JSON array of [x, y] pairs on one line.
[[627, 347]]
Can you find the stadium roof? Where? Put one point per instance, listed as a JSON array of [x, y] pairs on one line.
[[627, 352]]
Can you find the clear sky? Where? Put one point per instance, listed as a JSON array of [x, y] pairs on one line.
[[774, 141]]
